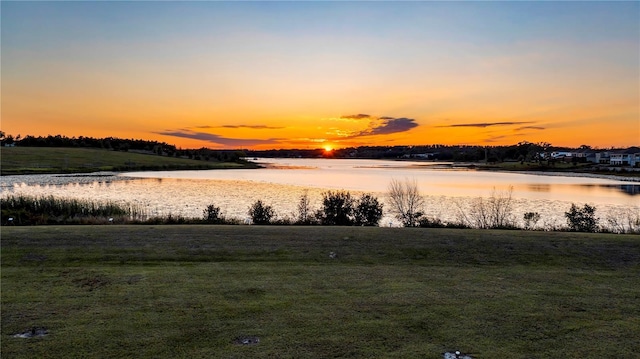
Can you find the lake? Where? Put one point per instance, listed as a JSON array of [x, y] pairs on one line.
[[447, 190]]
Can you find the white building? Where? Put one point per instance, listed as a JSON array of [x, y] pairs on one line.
[[628, 157]]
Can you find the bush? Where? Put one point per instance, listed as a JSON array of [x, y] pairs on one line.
[[368, 211], [305, 213], [212, 214], [261, 213], [582, 219], [337, 209], [431, 223], [531, 219]]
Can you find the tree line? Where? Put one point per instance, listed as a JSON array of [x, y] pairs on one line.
[[522, 151]]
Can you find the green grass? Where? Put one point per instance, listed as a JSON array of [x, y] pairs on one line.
[[190, 291], [33, 160]]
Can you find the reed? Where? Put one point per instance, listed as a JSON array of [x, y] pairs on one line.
[[33, 210]]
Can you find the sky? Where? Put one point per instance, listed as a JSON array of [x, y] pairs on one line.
[[305, 74]]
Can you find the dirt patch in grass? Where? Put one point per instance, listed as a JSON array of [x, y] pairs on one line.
[[32, 333], [246, 340]]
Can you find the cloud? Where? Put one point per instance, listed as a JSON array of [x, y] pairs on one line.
[[258, 127], [255, 127], [388, 125], [529, 128], [495, 139], [359, 116], [487, 124], [220, 140]]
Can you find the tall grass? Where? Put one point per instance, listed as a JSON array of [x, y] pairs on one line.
[[32, 210]]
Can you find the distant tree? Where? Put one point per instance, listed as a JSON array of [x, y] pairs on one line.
[[368, 211], [406, 202], [261, 213], [582, 219], [7, 139], [337, 209]]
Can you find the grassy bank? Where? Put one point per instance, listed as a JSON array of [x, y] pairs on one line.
[[197, 291], [584, 169], [33, 160]]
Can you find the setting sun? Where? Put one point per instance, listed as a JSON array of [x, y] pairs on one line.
[[328, 149]]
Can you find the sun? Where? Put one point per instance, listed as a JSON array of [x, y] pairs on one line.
[[328, 149]]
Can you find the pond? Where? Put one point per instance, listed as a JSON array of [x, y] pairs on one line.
[[447, 190]]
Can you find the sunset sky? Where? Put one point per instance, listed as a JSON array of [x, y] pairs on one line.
[[314, 74]]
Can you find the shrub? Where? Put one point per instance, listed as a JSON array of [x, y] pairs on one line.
[[305, 213], [531, 219], [261, 213], [431, 223], [212, 214], [582, 219], [337, 209], [368, 211]]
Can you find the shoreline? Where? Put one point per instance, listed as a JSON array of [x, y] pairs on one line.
[[470, 166]]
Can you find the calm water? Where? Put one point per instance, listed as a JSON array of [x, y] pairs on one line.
[[446, 191]]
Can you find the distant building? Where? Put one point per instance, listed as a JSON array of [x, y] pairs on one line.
[[561, 154], [603, 157], [628, 157]]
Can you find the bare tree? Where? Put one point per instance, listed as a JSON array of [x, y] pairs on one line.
[[405, 201], [493, 212], [624, 221]]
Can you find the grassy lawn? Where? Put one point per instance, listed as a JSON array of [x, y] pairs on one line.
[[194, 291], [31, 160]]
